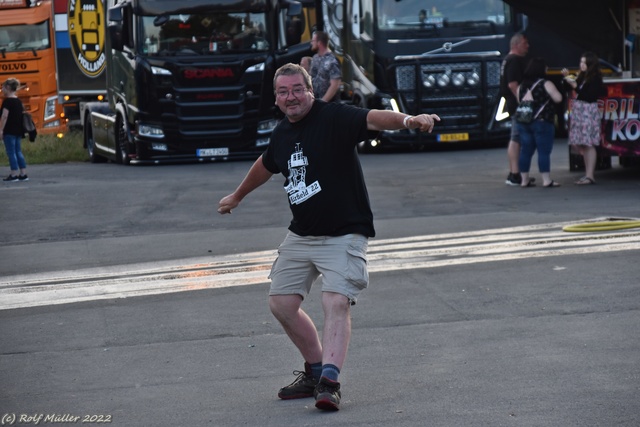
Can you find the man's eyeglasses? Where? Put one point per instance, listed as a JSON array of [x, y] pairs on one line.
[[297, 92]]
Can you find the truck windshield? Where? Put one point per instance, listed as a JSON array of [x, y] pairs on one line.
[[204, 34], [14, 38], [437, 14]]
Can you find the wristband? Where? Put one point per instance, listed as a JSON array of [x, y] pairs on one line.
[[404, 122]]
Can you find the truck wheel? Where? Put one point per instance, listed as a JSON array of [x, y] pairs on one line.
[[90, 143], [122, 142]]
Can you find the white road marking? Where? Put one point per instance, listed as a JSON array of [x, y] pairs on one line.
[[252, 268]]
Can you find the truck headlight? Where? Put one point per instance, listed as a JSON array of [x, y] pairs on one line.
[[255, 68], [50, 108], [429, 81], [150, 131], [53, 124], [389, 104], [266, 126], [159, 71], [473, 79], [443, 80], [458, 79]]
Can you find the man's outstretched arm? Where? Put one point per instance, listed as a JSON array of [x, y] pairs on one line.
[[256, 176], [389, 120]]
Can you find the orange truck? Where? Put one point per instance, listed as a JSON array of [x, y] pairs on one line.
[[27, 52]]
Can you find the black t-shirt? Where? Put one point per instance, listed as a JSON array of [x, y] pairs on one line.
[[324, 180], [512, 71], [13, 126]]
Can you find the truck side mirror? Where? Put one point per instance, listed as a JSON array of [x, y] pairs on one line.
[[120, 26], [294, 8], [294, 23], [294, 31], [115, 27]]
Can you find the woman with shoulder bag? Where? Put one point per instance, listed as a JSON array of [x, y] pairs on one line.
[[11, 130], [538, 134], [584, 127]]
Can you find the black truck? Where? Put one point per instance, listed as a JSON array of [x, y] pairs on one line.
[[192, 79], [441, 57]]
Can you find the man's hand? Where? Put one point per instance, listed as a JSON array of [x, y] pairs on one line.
[[227, 203], [423, 122], [257, 176]]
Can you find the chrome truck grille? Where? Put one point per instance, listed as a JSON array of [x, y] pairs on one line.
[[461, 93]]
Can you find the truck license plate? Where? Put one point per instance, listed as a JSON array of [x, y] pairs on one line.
[[451, 137], [212, 152]]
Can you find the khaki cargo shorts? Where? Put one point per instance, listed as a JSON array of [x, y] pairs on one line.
[[341, 260]]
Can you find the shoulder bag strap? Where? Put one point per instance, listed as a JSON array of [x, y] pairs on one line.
[[543, 105], [528, 90]]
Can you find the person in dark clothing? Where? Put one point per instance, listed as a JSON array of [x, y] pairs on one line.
[[511, 74], [538, 135], [584, 125], [314, 148], [11, 131]]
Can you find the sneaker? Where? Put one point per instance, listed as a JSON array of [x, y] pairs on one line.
[[11, 178], [328, 395], [513, 179], [302, 387], [23, 177]]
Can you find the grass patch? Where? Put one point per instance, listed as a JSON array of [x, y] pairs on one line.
[[51, 149]]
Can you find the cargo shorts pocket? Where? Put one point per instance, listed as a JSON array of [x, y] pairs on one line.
[[357, 272]]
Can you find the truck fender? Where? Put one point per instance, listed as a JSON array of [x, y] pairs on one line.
[[95, 140], [85, 115], [121, 112], [124, 139]]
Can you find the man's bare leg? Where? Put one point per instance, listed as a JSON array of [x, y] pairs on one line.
[[298, 325], [336, 333]]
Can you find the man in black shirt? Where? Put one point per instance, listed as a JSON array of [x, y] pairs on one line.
[[314, 147], [511, 74]]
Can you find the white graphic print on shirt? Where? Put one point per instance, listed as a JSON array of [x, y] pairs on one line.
[[297, 188]]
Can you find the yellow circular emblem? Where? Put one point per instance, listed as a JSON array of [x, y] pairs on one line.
[[86, 25]]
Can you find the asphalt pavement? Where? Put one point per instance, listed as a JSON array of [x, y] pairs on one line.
[[481, 310]]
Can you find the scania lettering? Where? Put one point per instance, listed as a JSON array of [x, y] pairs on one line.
[[204, 74]]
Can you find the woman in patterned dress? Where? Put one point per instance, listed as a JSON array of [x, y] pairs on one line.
[[585, 128]]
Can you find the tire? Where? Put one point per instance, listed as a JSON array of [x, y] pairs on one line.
[[90, 143], [122, 142]]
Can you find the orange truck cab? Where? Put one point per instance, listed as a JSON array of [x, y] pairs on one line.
[[27, 52]]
